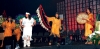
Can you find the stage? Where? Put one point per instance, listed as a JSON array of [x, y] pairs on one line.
[[67, 47], [72, 45]]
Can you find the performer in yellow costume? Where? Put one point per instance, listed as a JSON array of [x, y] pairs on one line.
[[56, 26], [89, 24], [17, 32], [8, 26]]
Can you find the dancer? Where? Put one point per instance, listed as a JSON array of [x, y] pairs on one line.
[[89, 23], [8, 26], [17, 33], [56, 26], [27, 24]]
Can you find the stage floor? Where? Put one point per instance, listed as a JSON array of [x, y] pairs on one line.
[[73, 45], [67, 47]]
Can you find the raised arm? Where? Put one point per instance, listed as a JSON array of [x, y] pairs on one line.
[[50, 18], [90, 18]]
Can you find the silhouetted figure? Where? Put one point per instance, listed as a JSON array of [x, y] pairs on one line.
[[77, 33]]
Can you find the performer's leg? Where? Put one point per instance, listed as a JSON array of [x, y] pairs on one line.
[[5, 43], [51, 39], [25, 42], [57, 39], [28, 41], [17, 40], [8, 42], [86, 40]]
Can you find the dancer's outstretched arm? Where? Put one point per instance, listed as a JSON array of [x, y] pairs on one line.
[[50, 18]]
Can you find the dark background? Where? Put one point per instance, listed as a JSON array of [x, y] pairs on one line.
[[15, 7]]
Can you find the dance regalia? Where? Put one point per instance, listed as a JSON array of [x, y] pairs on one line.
[[42, 19], [44, 22], [17, 32], [27, 29], [89, 22], [8, 27], [56, 25], [89, 25]]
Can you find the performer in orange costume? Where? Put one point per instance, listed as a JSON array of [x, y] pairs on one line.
[[8, 26], [56, 26], [89, 23], [17, 32]]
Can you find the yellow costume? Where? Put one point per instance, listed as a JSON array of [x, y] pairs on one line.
[[56, 25], [89, 25], [17, 32], [8, 26]]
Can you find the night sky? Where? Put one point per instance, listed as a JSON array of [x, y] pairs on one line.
[[15, 7]]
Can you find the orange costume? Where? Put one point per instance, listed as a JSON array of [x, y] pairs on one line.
[[8, 27], [89, 25], [17, 32], [56, 25]]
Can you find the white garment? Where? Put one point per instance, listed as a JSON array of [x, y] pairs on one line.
[[25, 43], [94, 33], [27, 30]]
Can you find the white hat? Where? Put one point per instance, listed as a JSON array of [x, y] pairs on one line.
[[27, 13]]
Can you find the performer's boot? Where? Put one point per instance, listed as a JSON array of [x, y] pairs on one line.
[[28, 43], [17, 45], [51, 39], [57, 41], [86, 41], [25, 43]]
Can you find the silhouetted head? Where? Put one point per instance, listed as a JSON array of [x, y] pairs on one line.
[[27, 15], [9, 19], [57, 15], [89, 10]]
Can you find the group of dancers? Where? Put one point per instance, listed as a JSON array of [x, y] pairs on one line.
[[27, 23]]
